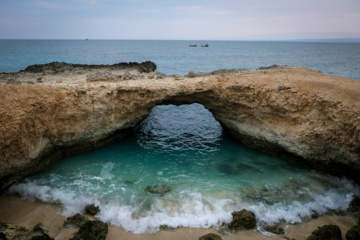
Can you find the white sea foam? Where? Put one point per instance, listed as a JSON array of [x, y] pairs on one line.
[[207, 181], [189, 209]]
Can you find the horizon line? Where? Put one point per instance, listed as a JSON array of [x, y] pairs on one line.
[[356, 39]]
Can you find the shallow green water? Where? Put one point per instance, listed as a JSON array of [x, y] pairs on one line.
[[205, 175]]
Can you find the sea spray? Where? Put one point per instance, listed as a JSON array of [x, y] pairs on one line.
[[208, 176]]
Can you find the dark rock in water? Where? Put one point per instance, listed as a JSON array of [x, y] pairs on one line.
[[274, 229], [326, 232], [12, 231], [56, 67], [227, 169], [157, 189], [242, 220], [77, 220], [92, 209], [210, 236], [354, 205], [242, 167], [314, 215], [353, 233], [92, 230], [166, 228], [129, 182], [40, 228]]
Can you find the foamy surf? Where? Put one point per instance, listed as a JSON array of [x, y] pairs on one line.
[[205, 176], [187, 209]]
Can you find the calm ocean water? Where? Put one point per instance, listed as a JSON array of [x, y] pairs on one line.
[[176, 57], [204, 174]]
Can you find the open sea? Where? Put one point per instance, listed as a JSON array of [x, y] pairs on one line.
[[178, 168]]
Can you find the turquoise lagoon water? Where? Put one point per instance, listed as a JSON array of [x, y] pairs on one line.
[[207, 174]]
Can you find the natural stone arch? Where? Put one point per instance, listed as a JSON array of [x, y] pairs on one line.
[[294, 112]]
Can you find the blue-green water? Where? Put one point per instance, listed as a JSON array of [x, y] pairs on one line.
[[205, 175]]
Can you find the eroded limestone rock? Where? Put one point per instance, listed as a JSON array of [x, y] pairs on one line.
[[296, 113]]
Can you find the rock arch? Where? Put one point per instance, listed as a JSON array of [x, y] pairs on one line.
[[297, 113]]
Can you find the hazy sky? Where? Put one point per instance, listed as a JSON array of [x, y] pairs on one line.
[[184, 19]]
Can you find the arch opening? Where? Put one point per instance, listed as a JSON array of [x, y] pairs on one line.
[[180, 169]]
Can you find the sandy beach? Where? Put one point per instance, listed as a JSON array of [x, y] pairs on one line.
[[28, 213]]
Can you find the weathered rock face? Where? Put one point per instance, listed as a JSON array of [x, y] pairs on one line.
[[294, 112]]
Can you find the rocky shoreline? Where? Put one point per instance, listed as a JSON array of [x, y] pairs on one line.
[[20, 219], [51, 111]]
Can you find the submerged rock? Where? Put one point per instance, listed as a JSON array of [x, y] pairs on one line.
[[92, 230], [77, 220], [210, 236], [166, 228], [92, 209], [157, 189], [227, 169], [326, 232], [242, 220], [353, 233], [274, 229]]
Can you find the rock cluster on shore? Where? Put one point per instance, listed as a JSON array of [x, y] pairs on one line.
[[51, 111]]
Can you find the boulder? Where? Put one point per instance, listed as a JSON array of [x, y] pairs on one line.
[[242, 220], [92, 209], [92, 230], [13, 232], [353, 233], [326, 232], [210, 236], [77, 220], [40, 228]]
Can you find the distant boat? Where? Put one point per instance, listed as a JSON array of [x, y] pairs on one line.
[[192, 45], [206, 45]]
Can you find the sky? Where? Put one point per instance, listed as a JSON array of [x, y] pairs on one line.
[[180, 20]]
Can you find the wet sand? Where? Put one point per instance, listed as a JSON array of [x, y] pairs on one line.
[[28, 213]]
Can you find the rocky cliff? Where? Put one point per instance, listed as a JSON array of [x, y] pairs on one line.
[[300, 114]]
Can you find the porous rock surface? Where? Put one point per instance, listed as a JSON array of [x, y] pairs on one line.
[[295, 112]]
